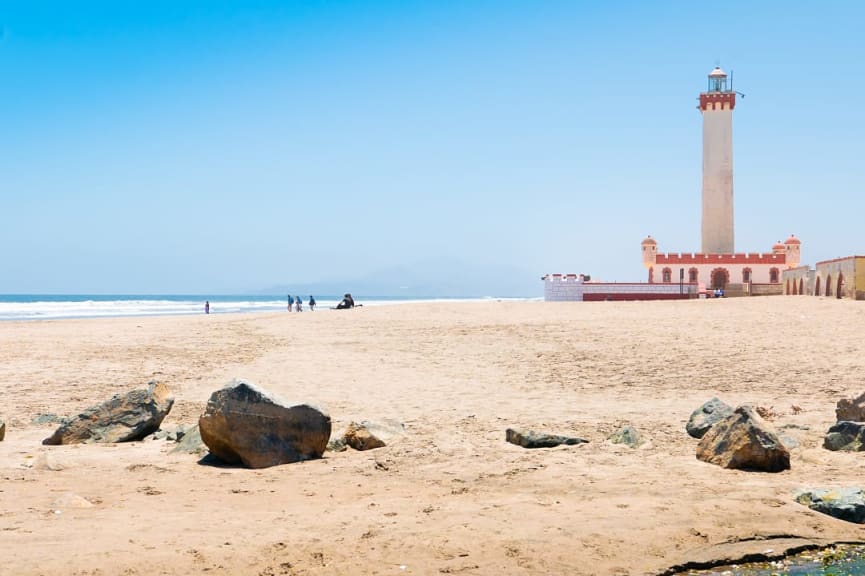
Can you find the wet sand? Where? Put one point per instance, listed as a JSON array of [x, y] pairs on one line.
[[452, 497]]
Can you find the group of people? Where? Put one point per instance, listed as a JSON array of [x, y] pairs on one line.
[[298, 303], [346, 302]]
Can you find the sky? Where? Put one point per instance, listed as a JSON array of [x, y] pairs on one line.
[[227, 147]]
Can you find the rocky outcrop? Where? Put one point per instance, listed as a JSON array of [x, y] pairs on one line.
[[243, 424], [368, 435], [744, 441], [627, 435], [851, 409], [845, 436], [120, 419], [842, 503], [530, 439], [707, 416]]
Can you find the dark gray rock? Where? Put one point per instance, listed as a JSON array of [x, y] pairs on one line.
[[120, 419], [843, 503], [627, 435], [707, 416], [530, 439], [190, 442], [47, 419], [743, 440], [170, 435], [851, 409], [845, 436], [243, 424], [368, 435]]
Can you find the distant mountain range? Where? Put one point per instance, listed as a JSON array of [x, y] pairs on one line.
[[428, 279]]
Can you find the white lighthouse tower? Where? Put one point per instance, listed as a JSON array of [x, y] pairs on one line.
[[716, 105]]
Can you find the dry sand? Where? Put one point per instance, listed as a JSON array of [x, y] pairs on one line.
[[452, 497]]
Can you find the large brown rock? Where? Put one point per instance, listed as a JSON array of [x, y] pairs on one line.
[[120, 419], [851, 409], [243, 424], [743, 440]]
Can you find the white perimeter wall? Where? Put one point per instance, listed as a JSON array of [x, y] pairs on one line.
[[570, 290]]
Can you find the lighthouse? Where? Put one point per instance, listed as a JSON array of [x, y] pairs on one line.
[[716, 106]]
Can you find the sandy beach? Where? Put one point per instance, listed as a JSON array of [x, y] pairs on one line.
[[452, 496]]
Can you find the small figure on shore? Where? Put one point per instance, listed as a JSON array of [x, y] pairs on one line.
[[289, 302], [347, 302], [311, 303], [298, 304], [207, 306]]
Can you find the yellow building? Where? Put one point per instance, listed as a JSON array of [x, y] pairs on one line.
[[838, 278]]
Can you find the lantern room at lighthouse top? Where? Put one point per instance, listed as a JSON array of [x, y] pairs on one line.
[[717, 80], [719, 95]]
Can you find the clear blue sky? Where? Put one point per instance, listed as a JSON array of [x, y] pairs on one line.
[[211, 146]]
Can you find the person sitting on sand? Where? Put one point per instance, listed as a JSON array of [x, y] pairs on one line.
[[347, 302]]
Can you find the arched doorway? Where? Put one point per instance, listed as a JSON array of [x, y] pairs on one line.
[[801, 285], [828, 284], [720, 278], [817, 287], [795, 288], [787, 288], [838, 292]]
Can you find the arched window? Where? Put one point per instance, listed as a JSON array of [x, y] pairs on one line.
[[746, 275], [693, 276], [667, 276], [773, 275]]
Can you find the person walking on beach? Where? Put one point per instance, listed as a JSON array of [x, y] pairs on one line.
[[298, 304], [207, 306], [289, 302], [311, 303]]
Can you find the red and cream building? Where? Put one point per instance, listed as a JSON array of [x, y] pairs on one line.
[[736, 273]]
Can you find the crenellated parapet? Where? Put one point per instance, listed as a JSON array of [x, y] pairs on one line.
[[730, 259], [717, 101]]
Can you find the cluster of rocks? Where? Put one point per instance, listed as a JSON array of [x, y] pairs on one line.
[[241, 424], [244, 425], [848, 432], [740, 438], [737, 438]]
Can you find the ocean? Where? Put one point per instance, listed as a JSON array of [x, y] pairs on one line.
[[59, 306]]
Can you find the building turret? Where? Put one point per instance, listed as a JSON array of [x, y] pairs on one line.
[[650, 252], [793, 248], [779, 248]]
